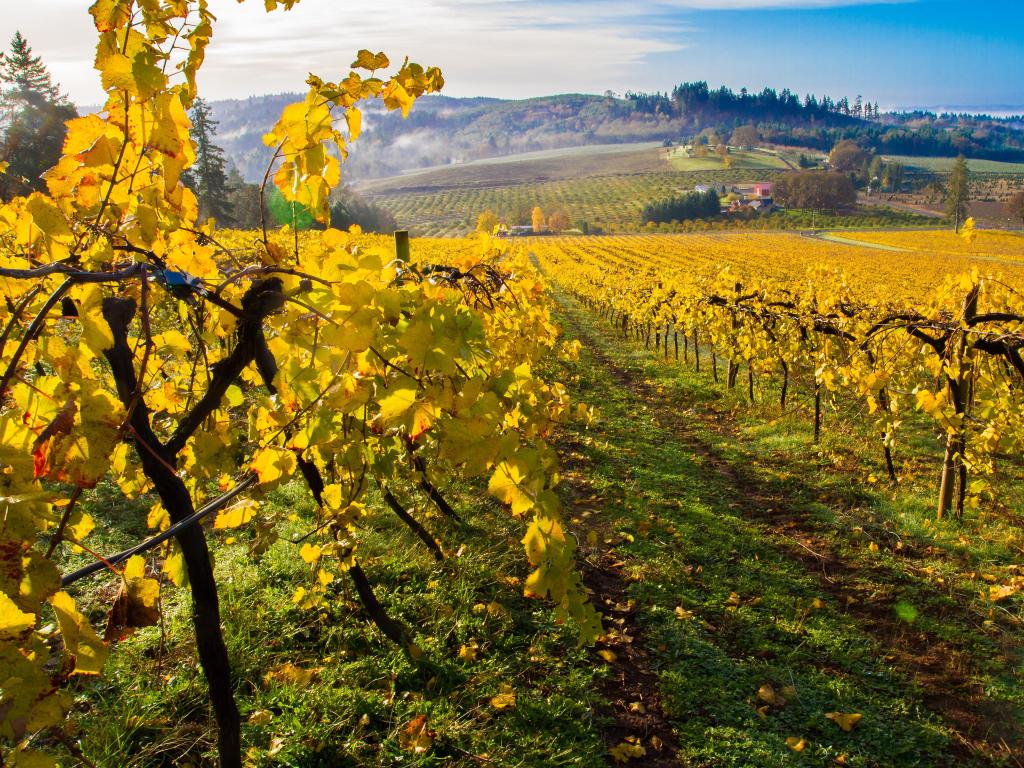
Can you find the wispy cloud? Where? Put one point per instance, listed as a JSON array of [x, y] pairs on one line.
[[489, 47]]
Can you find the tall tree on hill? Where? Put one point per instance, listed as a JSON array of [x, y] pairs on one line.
[[745, 136], [32, 117], [848, 156], [208, 177], [957, 193]]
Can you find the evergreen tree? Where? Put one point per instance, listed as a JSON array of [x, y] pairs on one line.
[[957, 193], [32, 117], [25, 75], [207, 177]]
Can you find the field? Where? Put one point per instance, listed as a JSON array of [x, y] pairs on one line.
[[738, 159], [944, 164], [1006, 247], [603, 188], [606, 192], [763, 591]]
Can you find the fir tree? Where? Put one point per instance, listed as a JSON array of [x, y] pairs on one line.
[[32, 119], [25, 75], [207, 177]]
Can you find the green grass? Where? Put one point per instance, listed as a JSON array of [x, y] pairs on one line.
[[150, 708], [944, 164], [740, 160]]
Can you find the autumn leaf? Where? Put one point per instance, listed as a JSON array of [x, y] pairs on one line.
[[13, 621], [289, 674], [627, 750], [416, 737], [844, 721], [505, 698]]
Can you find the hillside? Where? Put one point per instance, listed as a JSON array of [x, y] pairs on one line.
[[444, 131]]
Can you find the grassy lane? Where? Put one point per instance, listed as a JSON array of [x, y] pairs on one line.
[[764, 614], [498, 684]]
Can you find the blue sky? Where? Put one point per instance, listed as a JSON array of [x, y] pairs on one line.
[[899, 53]]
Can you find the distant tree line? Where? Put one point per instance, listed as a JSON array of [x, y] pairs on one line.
[[783, 117], [698, 100], [690, 205], [995, 141]]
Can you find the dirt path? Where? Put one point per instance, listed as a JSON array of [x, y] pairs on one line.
[[632, 687], [984, 729]]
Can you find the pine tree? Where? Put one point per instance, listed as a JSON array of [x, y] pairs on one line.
[[26, 76], [208, 176], [32, 119], [957, 193]]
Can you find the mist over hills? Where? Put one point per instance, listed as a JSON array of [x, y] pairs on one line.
[[442, 130]]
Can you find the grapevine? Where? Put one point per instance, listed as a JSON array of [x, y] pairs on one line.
[[196, 369]]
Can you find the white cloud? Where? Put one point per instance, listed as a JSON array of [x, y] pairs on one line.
[[509, 48]]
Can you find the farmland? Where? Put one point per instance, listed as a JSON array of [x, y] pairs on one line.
[[605, 188]]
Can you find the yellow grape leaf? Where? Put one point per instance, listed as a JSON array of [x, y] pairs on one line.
[[796, 744], [96, 333], [13, 621], [273, 465], [310, 552], [236, 515], [367, 60], [233, 397], [767, 694], [844, 721], [468, 652], [416, 737], [505, 484], [80, 639], [140, 588], [354, 118], [261, 717], [396, 404], [289, 674], [31, 758], [175, 570], [47, 216], [626, 751], [607, 655], [505, 699]]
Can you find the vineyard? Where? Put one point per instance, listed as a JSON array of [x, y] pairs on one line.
[[320, 498], [446, 204]]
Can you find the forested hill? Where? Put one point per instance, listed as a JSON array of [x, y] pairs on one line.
[[443, 130]]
